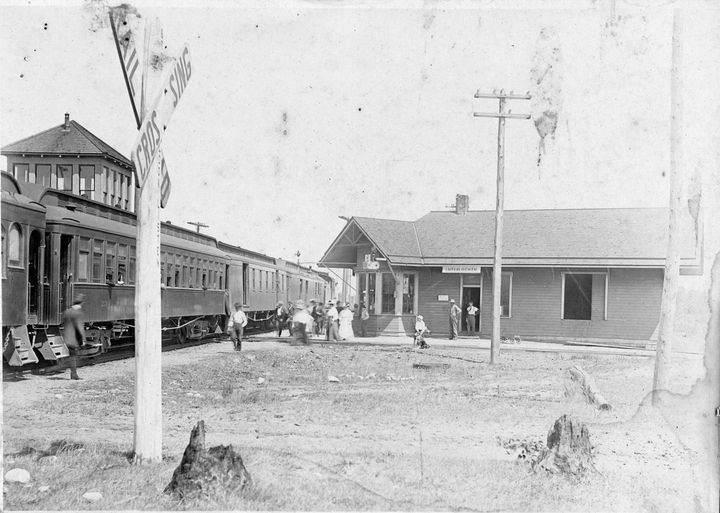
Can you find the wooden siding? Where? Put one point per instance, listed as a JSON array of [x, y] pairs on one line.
[[436, 313], [633, 305]]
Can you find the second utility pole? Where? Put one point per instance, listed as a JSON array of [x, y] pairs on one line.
[[499, 205]]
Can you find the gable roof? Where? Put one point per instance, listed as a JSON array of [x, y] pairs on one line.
[[579, 237], [59, 140]]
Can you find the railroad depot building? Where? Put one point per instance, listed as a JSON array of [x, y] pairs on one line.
[[577, 274]]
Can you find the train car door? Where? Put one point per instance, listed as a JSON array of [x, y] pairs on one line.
[[34, 283], [65, 272]]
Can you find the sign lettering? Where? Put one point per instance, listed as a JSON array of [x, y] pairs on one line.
[[155, 123], [470, 269]]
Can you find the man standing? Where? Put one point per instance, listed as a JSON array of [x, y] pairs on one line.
[[74, 333], [236, 326], [302, 322], [454, 313], [280, 317], [471, 311], [333, 321], [364, 317]]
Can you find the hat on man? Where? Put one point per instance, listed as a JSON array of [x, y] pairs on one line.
[[331, 303], [420, 317], [80, 298], [452, 300], [237, 305]]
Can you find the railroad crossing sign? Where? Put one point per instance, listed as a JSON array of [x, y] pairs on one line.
[[147, 143], [164, 181]]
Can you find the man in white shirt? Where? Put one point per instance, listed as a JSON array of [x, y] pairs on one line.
[[302, 321], [471, 311], [236, 326], [333, 319]]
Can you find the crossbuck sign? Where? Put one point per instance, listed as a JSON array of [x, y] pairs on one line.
[[147, 144]]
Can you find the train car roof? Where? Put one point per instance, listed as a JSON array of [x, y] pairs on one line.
[[11, 194], [65, 216]]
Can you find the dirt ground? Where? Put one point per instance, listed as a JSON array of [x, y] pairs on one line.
[[387, 436]]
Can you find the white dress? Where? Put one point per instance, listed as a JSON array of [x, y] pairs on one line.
[[346, 332]]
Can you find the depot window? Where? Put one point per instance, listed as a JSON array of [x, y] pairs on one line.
[[387, 298], [408, 293], [20, 172], [44, 175], [15, 246], [64, 177], [584, 296], [87, 181]]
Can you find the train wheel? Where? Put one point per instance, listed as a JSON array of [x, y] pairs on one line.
[[181, 335]]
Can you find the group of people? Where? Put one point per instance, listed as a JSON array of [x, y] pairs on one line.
[[333, 321]]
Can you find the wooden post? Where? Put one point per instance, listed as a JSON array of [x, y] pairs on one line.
[[148, 329], [672, 262], [499, 207], [497, 256]]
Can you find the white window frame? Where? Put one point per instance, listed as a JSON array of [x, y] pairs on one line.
[[562, 293]]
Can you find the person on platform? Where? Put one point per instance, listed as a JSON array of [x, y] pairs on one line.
[[313, 312], [471, 311], [454, 317], [345, 331], [281, 316], [236, 326], [74, 333], [364, 317], [302, 322], [332, 320], [420, 331]]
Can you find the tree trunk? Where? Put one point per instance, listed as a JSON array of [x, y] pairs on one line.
[[587, 385], [205, 472], [568, 448]]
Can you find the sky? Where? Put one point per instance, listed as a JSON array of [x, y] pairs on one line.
[[299, 114]]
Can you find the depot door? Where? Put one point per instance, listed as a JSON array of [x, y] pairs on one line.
[[471, 293]]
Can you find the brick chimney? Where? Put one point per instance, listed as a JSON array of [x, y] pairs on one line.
[[462, 204], [66, 125]]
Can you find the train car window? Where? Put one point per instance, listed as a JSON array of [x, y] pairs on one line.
[[122, 264], [198, 271], [64, 176], [43, 174], [204, 279], [131, 266], [221, 280], [15, 246], [176, 280], [4, 251], [253, 280], [87, 181], [97, 261], [267, 280], [184, 276], [126, 194], [110, 262], [20, 172], [83, 258]]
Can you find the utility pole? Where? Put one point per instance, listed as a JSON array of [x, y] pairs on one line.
[[672, 261], [501, 115], [199, 225]]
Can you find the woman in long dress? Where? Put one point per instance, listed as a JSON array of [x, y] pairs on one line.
[[346, 318]]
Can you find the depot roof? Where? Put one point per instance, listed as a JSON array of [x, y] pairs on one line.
[[626, 237], [68, 138]]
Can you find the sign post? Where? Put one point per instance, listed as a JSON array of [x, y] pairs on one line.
[[153, 180]]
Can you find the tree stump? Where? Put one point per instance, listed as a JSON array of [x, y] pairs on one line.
[[587, 384], [568, 448], [205, 472]]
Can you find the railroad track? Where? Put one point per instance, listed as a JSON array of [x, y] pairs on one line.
[[118, 352]]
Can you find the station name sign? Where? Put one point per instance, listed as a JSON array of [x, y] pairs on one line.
[[469, 269]]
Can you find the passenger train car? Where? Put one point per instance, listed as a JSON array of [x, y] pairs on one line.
[[57, 244]]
